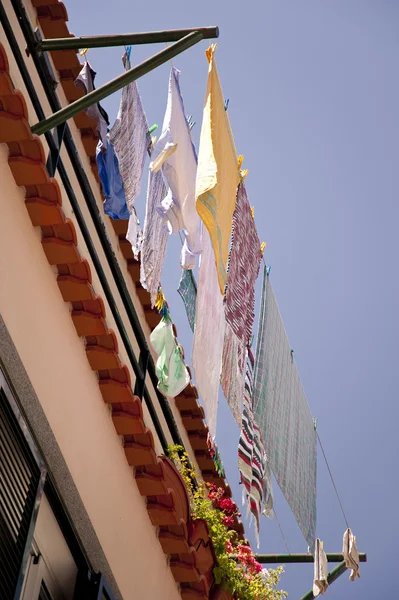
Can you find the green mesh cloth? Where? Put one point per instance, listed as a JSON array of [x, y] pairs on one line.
[[282, 414], [188, 292]]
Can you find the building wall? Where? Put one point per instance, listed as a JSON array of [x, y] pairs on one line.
[[42, 331]]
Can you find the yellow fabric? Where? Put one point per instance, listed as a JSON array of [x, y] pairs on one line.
[[218, 172]]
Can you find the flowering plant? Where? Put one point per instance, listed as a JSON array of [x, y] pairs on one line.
[[237, 570]]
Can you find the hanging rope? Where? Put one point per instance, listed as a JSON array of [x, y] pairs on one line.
[[281, 531], [332, 480]]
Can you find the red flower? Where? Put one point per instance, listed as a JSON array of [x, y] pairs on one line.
[[228, 506], [229, 547], [228, 521]]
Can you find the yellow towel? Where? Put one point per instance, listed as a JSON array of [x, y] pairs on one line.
[[218, 172]]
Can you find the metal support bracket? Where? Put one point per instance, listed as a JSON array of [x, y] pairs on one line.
[[331, 577], [302, 558], [118, 83], [124, 39]]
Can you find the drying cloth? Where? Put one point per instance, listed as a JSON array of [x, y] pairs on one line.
[[252, 460], [155, 237], [282, 414], [188, 292], [174, 152], [243, 270], [232, 375], [218, 172], [129, 136], [134, 234], [171, 371], [320, 583], [208, 333], [108, 170], [85, 81], [351, 554]]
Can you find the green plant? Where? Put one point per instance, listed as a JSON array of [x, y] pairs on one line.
[[237, 569]]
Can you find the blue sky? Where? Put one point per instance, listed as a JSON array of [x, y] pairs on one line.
[[314, 103]]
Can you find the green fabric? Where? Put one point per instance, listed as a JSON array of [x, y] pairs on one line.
[[282, 414], [170, 368], [188, 292]]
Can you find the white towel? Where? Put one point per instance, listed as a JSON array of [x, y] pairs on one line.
[[208, 333], [351, 554], [320, 583]]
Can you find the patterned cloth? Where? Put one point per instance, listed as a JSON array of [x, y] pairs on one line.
[[252, 461], [232, 375], [218, 171], [208, 333], [155, 237], [129, 136], [188, 292], [243, 270], [282, 413]]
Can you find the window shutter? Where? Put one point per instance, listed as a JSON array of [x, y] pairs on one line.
[[21, 484]]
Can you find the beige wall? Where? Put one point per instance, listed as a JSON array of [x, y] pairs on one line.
[[41, 328]]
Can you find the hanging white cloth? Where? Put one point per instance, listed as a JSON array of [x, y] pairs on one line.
[[174, 152], [351, 554], [320, 583], [208, 333]]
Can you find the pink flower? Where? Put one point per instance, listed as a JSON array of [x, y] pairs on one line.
[[228, 521], [229, 547]]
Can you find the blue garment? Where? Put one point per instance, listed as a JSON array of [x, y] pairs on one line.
[[108, 169]]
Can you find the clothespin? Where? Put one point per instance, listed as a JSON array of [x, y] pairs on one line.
[[190, 122], [243, 172], [83, 52], [253, 212], [128, 50], [262, 247], [315, 424], [161, 304], [292, 355], [152, 129], [268, 271], [226, 104]]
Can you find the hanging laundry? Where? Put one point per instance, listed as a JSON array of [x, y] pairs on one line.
[[351, 554], [208, 333], [170, 368], [85, 81], [282, 414], [218, 171], [108, 170], [239, 301], [174, 152], [320, 583], [243, 269], [215, 456], [129, 136], [188, 292], [252, 461], [155, 237], [232, 374]]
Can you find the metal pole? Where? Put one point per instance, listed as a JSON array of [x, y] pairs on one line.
[[331, 577], [116, 84], [301, 558], [124, 39]]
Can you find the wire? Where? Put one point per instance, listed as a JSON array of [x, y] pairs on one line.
[[281, 531], [332, 479]]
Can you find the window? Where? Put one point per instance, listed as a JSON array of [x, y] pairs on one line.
[[22, 476], [36, 561]]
